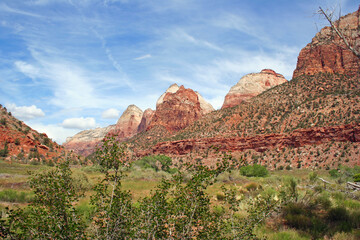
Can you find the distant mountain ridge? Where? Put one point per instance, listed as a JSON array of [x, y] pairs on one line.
[[266, 119], [176, 108]]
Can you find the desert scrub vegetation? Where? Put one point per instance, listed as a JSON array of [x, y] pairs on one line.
[[64, 205], [175, 209]]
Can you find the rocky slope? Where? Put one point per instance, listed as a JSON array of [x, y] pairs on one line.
[[21, 143], [327, 51], [319, 101], [252, 85], [85, 142], [262, 142]]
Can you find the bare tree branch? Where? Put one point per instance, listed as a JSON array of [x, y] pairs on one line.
[[339, 33]]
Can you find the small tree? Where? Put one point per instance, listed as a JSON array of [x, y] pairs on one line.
[[113, 214], [52, 214]]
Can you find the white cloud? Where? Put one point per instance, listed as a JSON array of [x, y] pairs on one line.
[[217, 101], [180, 34], [27, 69], [111, 113], [236, 22], [143, 57], [55, 132], [79, 123], [25, 112]]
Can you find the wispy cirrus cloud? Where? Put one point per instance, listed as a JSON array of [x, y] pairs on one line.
[[182, 35], [146, 56], [5, 8], [82, 58]]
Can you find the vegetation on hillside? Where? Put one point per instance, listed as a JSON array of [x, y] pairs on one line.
[[319, 100], [181, 206]]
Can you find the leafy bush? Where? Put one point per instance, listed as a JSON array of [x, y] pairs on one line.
[[334, 173], [252, 186], [156, 162], [254, 171], [51, 215], [301, 216], [3, 121], [4, 152], [356, 177]]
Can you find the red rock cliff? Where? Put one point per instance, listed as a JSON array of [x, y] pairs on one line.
[[145, 120], [328, 53], [177, 110], [300, 137]]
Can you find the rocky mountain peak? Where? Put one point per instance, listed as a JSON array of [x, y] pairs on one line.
[[128, 123], [172, 89], [252, 85], [131, 112], [178, 109], [328, 53]]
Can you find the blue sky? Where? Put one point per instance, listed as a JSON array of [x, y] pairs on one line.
[[69, 65]]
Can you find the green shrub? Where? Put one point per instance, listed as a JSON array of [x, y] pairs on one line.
[[356, 177], [3, 121], [334, 173], [254, 171], [220, 196], [324, 201], [4, 152], [252, 186], [156, 162], [338, 214]]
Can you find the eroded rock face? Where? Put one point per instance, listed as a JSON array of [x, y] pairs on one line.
[[127, 125], [172, 89], [177, 110], [327, 51], [252, 85], [204, 105], [300, 137], [146, 120], [85, 142]]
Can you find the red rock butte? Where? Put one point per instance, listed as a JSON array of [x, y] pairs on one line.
[[178, 109]]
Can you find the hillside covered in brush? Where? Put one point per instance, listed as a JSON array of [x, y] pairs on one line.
[[20, 142], [304, 102]]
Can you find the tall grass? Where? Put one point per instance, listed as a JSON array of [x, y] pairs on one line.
[[13, 196]]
